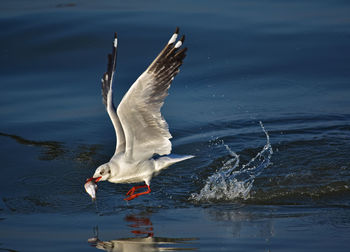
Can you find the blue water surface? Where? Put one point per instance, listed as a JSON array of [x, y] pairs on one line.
[[283, 63]]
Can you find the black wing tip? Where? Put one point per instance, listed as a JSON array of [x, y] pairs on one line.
[[170, 58], [177, 30], [181, 54], [107, 76], [182, 39]]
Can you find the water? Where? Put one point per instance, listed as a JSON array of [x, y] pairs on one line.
[[281, 185], [232, 181]]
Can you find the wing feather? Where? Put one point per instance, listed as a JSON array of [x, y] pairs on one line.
[[107, 97], [146, 131]]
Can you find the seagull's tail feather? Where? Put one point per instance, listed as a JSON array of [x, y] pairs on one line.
[[165, 161]]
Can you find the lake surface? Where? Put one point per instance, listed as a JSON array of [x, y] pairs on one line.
[[262, 101]]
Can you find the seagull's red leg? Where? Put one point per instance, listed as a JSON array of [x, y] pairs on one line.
[[133, 189], [133, 196]]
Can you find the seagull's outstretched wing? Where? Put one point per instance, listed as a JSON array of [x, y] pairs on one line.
[[107, 95], [146, 131]]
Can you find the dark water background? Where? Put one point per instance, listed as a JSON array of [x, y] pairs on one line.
[[284, 63]]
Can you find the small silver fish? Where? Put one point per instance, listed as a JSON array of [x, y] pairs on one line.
[[91, 187]]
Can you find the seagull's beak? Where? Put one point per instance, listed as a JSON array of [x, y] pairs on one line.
[[92, 178], [97, 179], [89, 179]]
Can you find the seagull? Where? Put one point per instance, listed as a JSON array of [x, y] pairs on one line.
[[142, 135]]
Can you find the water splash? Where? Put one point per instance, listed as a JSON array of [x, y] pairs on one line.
[[235, 181]]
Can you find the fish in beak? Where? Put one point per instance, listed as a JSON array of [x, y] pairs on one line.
[[91, 187]]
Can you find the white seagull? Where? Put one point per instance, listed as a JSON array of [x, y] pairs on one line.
[[143, 146]]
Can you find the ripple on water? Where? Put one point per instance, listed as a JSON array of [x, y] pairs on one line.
[[306, 169], [38, 180]]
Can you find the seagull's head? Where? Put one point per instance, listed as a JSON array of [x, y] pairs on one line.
[[102, 173]]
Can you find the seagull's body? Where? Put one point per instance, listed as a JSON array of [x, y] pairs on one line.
[[141, 131]]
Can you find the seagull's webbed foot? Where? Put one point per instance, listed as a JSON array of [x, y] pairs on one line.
[[132, 191]]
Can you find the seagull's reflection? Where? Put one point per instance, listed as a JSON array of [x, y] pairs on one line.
[[142, 225], [143, 239]]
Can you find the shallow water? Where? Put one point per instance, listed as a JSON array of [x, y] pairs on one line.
[[285, 64]]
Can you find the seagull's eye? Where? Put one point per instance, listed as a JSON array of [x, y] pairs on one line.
[[102, 172]]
